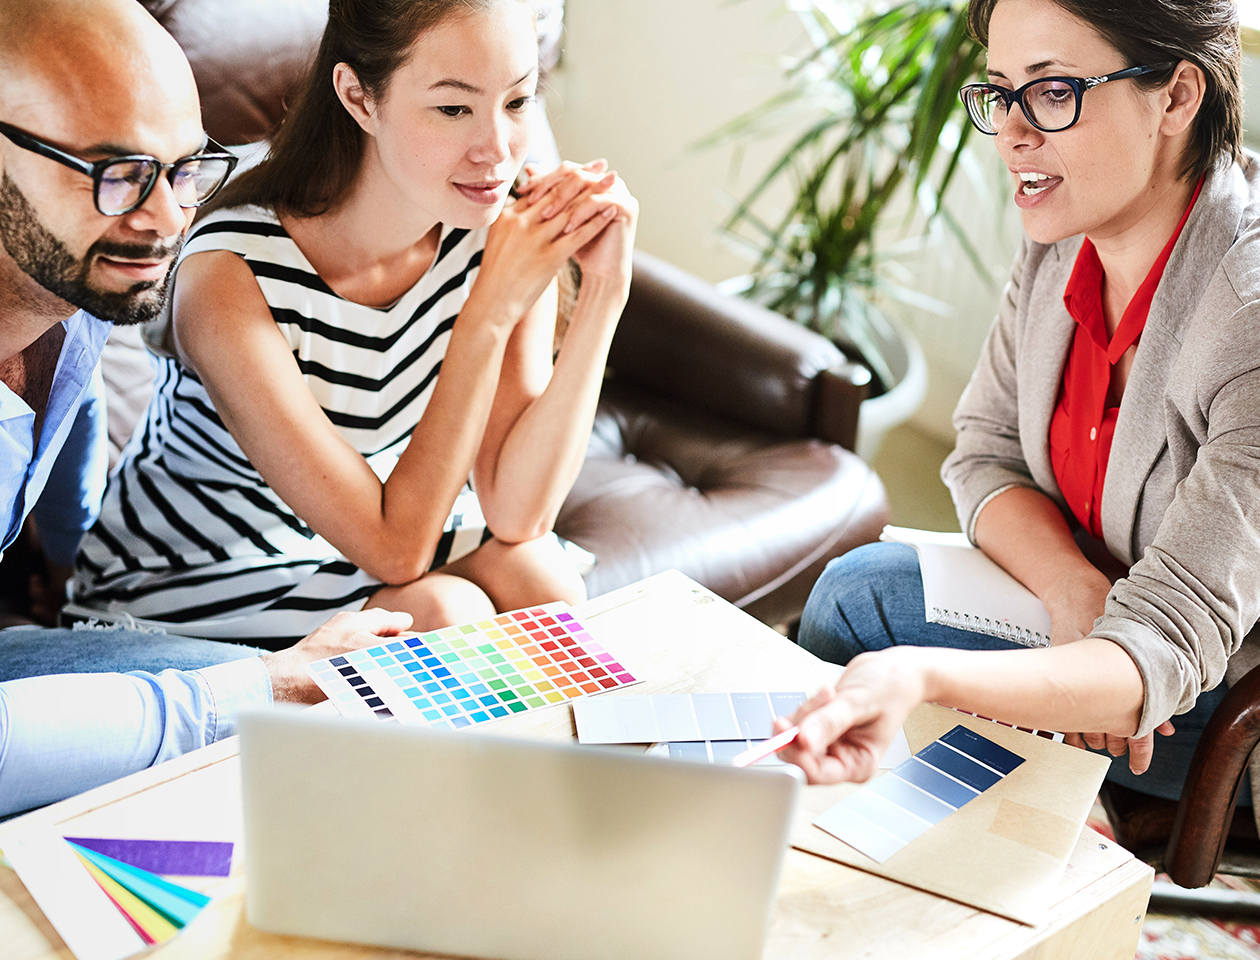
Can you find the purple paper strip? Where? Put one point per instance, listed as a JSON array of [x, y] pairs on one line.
[[184, 858]]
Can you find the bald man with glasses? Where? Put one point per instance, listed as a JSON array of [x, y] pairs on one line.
[[103, 161]]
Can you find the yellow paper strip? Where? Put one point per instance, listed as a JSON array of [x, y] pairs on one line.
[[152, 922]]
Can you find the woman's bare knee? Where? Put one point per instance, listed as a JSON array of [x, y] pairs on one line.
[[437, 599], [522, 574]]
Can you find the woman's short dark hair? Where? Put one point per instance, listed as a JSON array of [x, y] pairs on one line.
[[316, 153], [1203, 32]]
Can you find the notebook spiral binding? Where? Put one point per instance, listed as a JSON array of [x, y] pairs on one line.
[[993, 628]]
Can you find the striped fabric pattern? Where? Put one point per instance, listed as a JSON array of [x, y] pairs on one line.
[[190, 536]]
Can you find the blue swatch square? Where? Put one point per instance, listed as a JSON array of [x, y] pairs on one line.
[[982, 749], [932, 781], [958, 766]]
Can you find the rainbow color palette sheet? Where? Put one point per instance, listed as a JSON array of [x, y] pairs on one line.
[[474, 673]]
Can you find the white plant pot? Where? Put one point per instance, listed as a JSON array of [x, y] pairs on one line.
[[899, 403]]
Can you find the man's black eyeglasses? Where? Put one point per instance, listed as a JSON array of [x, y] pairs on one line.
[[1050, 104], [121, 184]]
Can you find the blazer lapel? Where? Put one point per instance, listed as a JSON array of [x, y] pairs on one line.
[[1141, 433], [1048, 336]]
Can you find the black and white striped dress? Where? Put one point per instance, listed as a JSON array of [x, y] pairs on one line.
[[190, 536]]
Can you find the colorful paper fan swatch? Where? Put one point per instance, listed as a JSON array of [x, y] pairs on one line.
[[156, 908], [183, 858], [475, 672]]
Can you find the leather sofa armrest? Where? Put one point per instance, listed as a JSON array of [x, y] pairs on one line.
[[731, 357]]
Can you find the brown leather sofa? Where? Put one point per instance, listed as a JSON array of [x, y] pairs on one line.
[[721, 447]]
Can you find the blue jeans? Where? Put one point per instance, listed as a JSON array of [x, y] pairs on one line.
[[872, 598], [39, 651]]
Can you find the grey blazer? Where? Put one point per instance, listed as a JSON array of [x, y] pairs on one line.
[[1181, 500]]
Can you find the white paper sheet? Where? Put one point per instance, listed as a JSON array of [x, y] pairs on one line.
[[82, 914]]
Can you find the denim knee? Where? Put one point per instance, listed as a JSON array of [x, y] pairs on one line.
[[872, 598], [853, 606]]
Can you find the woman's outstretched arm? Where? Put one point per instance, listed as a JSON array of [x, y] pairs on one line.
[[1091, 685]]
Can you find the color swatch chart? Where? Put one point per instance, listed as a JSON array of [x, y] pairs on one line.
[[1044, 734], [884, 816], [475, 672]]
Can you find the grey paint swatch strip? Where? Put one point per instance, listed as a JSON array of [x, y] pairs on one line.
[[681, 717]]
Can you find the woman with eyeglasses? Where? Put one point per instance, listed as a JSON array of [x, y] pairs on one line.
[[360, 406], [1108, 451]]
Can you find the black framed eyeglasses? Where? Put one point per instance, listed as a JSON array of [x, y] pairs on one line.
[[122, 184], [1050, 104]]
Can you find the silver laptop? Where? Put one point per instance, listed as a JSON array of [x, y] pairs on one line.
[[458, 843]]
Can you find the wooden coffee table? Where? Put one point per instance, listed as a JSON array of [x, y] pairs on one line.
[[684, 639]]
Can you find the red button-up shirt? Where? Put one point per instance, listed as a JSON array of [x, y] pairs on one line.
[[1084, 422]]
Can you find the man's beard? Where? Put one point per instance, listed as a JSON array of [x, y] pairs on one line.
[[47, 261]]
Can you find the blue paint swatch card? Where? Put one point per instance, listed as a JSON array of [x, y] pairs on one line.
[[882, 818]]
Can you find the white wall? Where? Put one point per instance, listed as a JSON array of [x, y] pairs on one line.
[[642, 80]]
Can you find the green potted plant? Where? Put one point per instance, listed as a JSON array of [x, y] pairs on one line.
[[875, 103]]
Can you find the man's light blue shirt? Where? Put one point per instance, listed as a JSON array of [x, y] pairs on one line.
[[74, 420], [63, 734]]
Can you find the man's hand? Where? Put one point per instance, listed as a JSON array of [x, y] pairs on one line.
[[345, 631]]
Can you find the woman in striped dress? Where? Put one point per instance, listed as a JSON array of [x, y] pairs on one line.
[[363, 326]]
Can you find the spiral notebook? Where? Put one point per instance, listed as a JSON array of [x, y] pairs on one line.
[[963, 588]]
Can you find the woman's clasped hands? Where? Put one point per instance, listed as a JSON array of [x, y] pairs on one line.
[[578, 211]]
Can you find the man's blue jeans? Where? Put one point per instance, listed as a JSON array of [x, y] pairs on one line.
[[872, 598], [39, 651]]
